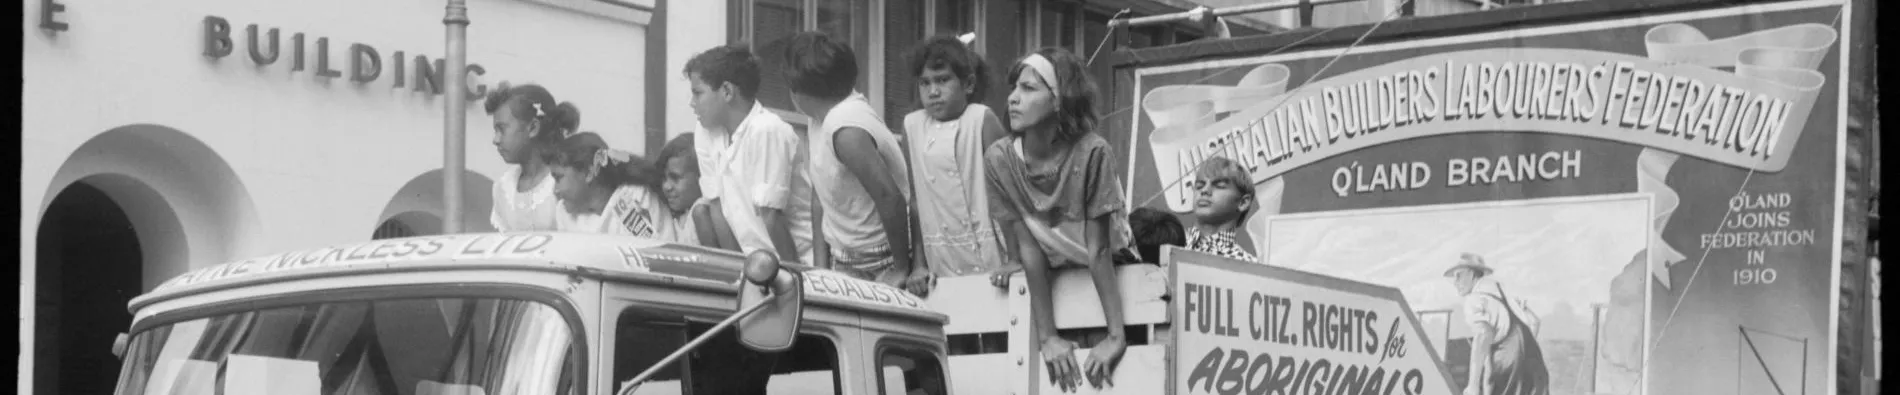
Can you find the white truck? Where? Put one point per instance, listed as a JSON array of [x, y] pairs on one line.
[[537, 313]]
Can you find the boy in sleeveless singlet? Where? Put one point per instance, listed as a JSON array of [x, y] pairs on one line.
[[857, 170]]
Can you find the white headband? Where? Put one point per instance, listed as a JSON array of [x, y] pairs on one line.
[[1048, 71]]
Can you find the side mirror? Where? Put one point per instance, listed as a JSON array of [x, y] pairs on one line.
[[773, 327]]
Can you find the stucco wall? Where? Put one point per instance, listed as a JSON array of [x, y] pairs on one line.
[[317, 159], [693, 26]]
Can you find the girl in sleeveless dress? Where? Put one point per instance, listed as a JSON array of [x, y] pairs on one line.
[[946, 140]]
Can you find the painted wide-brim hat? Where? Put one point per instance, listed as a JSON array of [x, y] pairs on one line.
[[1469, 261]]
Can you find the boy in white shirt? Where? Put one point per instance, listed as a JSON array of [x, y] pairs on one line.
[[752, 162]]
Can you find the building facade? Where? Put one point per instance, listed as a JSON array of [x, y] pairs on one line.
[[163, 137]]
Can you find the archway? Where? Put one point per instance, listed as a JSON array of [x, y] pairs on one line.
[[127, 210], [90, 265], [416, 209], [409, 224]]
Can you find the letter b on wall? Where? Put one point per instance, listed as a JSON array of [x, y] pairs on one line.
[[217, 37]]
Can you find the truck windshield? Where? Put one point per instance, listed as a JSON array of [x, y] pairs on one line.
[[474, 346]]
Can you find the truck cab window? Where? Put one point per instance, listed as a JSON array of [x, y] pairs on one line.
[[906, 370], [722, 365], [641, 340]]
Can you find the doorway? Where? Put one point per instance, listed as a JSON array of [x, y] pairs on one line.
[[90, 265]]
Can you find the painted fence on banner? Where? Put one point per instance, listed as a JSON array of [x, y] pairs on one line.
[[1654, 189]]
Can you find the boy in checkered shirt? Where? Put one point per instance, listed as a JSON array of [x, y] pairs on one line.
[[1225, 197]]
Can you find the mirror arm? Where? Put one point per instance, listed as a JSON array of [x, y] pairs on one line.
[[690, 346], [118, 345]]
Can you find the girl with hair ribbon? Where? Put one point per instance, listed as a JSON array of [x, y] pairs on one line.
[[528, 122], [608, 191]]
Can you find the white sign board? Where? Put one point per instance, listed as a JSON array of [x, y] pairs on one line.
[[1246, 328]]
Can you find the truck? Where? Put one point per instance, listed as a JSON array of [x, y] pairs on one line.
[[558, 313], [527, 313]]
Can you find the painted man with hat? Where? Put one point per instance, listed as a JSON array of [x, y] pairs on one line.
[[1505, 357]]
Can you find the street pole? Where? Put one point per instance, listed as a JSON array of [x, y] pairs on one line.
[[455, 113]]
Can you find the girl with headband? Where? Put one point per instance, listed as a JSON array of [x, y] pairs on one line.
[[1054, 192], [528, 122]]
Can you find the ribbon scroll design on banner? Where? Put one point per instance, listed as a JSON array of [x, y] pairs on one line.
[[1788, 56], [1270, 130]]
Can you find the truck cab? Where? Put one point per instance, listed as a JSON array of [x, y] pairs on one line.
[[527, 313]]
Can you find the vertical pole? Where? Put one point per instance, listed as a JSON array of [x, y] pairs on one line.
[[455, 114], [1804, 366], [1596, 341]]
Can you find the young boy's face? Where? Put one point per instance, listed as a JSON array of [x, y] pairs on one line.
[[681, 186], [943, 93], [709, 102], [1220, 201]]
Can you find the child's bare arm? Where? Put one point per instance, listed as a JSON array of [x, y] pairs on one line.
[[1057, 354], [1100, 367], [1102, 269], [859, 158], [779, 229], [713, 229], [1035, 267]]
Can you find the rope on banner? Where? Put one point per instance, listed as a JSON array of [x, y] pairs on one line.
[[1309, 80]]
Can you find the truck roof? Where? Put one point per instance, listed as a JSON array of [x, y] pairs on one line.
[[603, 257]]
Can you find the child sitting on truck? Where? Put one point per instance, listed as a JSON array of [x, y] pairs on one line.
[[857, 169], [695, 217], [754, 163], [946, 138], [1224, 200], [528, 122], [610, 192], [1054, 192]]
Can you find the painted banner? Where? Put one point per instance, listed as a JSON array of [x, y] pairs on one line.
[[1244, 328], [1655, 198]]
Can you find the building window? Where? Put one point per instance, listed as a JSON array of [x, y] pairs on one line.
[[952, 16], [1052, 24], [767, 23]]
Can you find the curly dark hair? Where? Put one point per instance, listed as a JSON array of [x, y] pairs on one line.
[[1154, 228], [577, 152], [1075, 108], [945, 51]]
